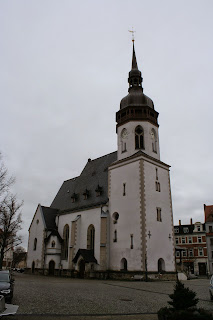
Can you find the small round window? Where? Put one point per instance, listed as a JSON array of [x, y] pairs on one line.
[[115, 217]]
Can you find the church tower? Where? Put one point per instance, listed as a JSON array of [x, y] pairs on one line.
[[140, 205], [137, 120]]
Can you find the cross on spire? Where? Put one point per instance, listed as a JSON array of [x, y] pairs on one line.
[[149, 234], [133, 34]]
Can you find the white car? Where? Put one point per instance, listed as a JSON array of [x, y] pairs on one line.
[[211, 288]]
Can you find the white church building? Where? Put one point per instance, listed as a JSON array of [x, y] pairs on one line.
[[115, 220]]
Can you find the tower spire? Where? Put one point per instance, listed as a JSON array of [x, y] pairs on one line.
[[134, 60]]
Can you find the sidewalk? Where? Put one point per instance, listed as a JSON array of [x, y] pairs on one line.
[[89, 317]]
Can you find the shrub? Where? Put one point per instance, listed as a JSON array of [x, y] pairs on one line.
[[182, 298]]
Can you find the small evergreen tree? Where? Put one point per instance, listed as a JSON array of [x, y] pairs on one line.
[[182, 298]]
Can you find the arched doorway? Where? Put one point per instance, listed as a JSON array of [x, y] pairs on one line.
[[161, 265], [81, 268], [123, 264], [51, 268], [33, 267]]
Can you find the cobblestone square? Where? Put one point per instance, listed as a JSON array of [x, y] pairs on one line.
[[40, 295]]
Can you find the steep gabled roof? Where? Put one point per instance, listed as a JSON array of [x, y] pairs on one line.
[[54, 233], [49, 217], [94, 174], [87, 255]]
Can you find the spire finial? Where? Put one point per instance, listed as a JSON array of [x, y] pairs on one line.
[[133, 35]]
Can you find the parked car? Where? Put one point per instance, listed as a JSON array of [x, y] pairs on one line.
[[6, 285], [211, 288]]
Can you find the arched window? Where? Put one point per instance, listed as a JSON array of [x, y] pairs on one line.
[[139, 138], [161, 265], [123, 264], [115, 217], [123, 140], [35, 244], [53, 244], [154, 140], [91, 238], [65, 242]]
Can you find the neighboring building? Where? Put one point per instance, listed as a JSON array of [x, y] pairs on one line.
[[8, 259], [191, 250], [115, 219], [208, 211]]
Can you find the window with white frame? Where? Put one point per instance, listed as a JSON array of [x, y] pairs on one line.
[[177, 253], [176, 230], [191, 252], [183, 240], [199, 239], [186, 230], [189, 239], [200, 252], [176, 240], [211, 241], [184, 253]]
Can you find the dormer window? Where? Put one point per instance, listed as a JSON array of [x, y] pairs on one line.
[[86, 194], [98, 191], [139, 138], [74, 197]]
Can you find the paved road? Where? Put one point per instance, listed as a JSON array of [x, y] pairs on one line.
[[42, 298]]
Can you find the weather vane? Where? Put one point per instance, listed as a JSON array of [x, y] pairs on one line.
[[133, 34]]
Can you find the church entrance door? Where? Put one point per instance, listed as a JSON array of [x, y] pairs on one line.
[[202, 268], [81, 269], [51, 268]]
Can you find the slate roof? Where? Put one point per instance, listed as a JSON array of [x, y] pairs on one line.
[[49, 217], [94, 174], [87, 255], [54, 233], [189, 226]]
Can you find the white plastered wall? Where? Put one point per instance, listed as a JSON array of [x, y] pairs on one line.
[[159, 245], [53, 253], [36, 231], [128, 208], [130, 139], [87, 217]]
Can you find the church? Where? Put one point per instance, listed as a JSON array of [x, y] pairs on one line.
[[115, 220]]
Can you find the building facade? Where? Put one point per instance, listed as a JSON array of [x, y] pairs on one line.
[[115, 219], [208, 211], [191, 248]]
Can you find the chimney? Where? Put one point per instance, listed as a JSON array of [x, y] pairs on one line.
[[204, 206], [179, 222], [191, 221]]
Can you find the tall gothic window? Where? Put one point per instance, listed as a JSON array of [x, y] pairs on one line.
[[91, 238], [65, 243], [139, 138]]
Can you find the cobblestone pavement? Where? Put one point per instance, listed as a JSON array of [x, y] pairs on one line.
[[52, 296]]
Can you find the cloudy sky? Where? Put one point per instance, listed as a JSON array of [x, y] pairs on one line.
[[64, 67]]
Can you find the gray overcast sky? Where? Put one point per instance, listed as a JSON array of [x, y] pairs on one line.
[[64, 67]]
